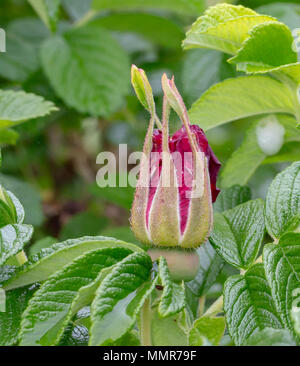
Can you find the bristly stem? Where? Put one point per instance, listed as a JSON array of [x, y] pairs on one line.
[[145, 328]]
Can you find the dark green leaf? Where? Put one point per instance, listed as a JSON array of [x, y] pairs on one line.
[[16, 302], [248, 304], [238, 233], [282, 268], [231, 197], [66, 292], [282, 202], [49, 260], [172, 300], [99, 63], [210, 266], [119, 299]]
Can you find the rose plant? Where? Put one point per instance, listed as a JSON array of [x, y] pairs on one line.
[[170, 289]]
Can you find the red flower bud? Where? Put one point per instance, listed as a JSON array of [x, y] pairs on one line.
[[177, 183]]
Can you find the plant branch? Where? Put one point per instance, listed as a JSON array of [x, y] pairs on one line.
[[216, 307], [145, 328]]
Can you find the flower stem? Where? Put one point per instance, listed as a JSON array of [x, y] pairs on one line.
[[146, 323], [201, 305]]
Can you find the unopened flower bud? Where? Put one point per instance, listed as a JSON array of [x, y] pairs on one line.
[[177, 183]]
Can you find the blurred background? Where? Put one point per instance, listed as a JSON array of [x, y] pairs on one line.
[[50, 162]]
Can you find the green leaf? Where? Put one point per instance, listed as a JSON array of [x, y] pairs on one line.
[[240, 167], [99, 63], [66, 292], [29, 198], [16, 302], [2, 300], [48, 11], [248, 304], [156, 29], [223, 27], [210, 266], [48, 261], [282, 202], [275, 39], [12, 240], [167, 331], [119, 299], [231, 197], [200, 70], [18, 106], [129, 339], [238, 233], [190, 7], [288, 153], [271, 337], [75, 335], [20, 59], [8, 137], [241, 97], [208, 328], [41, 244], [172, 300], [282, 267]]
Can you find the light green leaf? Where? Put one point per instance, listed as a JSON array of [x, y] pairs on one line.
[[200, 70], [16, 302], [2, 300], [8, 137], [167, 331], [282, 202], [159, 30], [66, 292], [241, 97], [129, 339], [20, 59], [223, 27], [288, 153], [248, 304], [49, 260], [210, 266], [18, 106], [208, 328], [240, 167], [231, 197], [12, 240], [119, 299], [271, 337], [172, 300], [48, 11], [282, 267], [190, 7], [275, 39], [99, 63], [238, 233]]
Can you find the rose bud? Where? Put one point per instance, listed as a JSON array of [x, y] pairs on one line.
[[177, 182]]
